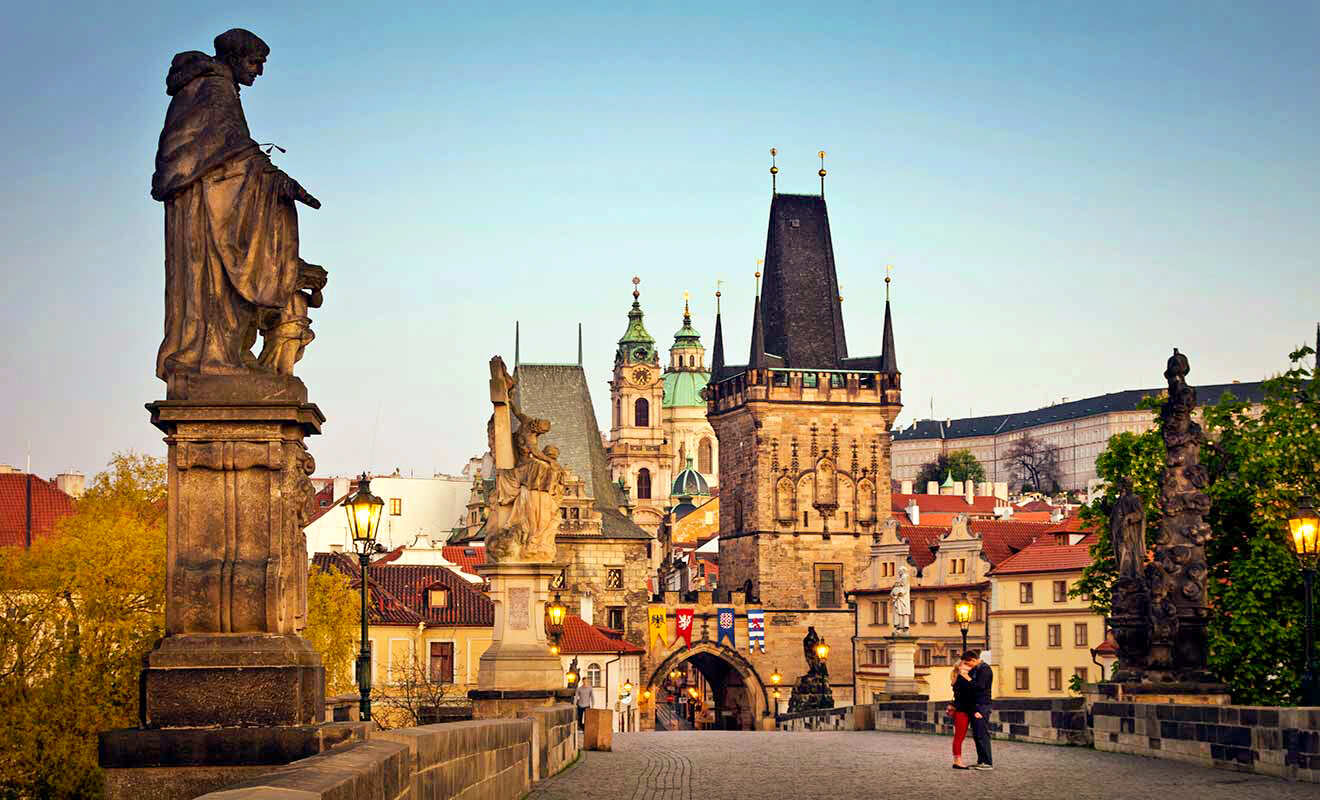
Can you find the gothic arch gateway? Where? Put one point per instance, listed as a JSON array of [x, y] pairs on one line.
[[730, 675]]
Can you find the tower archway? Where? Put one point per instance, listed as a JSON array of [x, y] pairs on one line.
[[734, 690]]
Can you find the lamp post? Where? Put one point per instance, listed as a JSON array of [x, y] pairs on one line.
[[363, 511], [1304, 527], [963, 611], [822, 649], [775, 678]]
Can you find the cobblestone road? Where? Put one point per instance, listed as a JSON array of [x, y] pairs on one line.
[[720, 765]]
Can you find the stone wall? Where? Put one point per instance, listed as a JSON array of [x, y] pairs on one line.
[[490, 759], [1284, 742], [847, 718], [1043, 721]]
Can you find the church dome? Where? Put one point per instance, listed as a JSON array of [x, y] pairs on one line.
[[683, 389], [689, 483]]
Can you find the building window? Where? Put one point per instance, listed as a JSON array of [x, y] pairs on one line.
[[705, 460], [957, 566], [836, 380], [923, 657], [928, 611], [887, 569], [877, 656], [1056, 679], [643, 483], [1083, 673], [879, 613], [618, 413], [396, 506], [437, 598], [809, 380], [614, 578], [614, 618], [442, 662], [1055, 635], [1079, 634], [642, 413], [827, 585], [593, 676], [1060, 591], [804, 519], [1025, 593], [1020, 636], [1022, 679]]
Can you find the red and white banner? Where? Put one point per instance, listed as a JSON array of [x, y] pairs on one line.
[[683, 625]]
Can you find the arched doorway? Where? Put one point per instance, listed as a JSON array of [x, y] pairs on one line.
[[729, 692]]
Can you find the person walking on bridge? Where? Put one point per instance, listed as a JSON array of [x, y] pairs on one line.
[[961, 709]]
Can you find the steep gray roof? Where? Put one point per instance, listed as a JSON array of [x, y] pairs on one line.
[[559, 393], [1077, 409]]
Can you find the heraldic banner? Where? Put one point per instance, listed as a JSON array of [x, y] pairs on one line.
[[725, 616], [655, 616], [683, 625], [755, 629]]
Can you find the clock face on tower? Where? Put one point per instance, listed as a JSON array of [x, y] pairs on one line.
[[641, 375]]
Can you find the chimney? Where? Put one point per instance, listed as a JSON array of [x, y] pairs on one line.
[[913, 512], [932, 487], [1001, 490], [71, 483], [586, 610], [985, 489], [905, 487], [969, 494], [423, 542], [336, 548], [342, 487], [1056, 515]]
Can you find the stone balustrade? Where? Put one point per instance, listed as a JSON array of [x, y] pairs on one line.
[[843, 718], [490, 759], [1040, 720]]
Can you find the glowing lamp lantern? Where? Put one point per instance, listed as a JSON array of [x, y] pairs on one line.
[[572, 677], [692, 692], [823, 650], [775, 677], [555, 612], [554, 649], [625, 690], [364, 509], [646, 694], [962, 611], [1304, 525]]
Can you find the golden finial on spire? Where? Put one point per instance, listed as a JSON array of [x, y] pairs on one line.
[[636, 292], [759, 262], [841, 293], [686, 313], [718, 284], [822, 172], [774, 172], [888, 269]]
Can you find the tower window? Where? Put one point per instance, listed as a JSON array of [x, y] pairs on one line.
[[643, 482], [642, 414], [704, 457]]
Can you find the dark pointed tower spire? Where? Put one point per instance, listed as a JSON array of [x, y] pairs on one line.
[[579, 344], [888, 355], [517, 342], [756, 358], [717, 349]]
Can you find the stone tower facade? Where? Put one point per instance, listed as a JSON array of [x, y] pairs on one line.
[[639, 452]]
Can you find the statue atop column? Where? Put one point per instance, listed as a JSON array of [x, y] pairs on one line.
[[900, 597], [529, 482], [232, 267]]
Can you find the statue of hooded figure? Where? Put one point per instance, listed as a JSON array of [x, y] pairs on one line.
[[231, 230]]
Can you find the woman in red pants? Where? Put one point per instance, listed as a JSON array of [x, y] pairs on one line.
[[961, 709]]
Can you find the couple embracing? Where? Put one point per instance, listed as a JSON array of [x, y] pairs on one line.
[[971, 679]]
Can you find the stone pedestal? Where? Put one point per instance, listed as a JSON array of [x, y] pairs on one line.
[[598, 729], [902, 682], [517, 672], [236, 567], [1201, 694]]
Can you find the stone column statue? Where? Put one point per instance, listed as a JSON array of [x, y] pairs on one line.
[[900, 597], [812, 689]]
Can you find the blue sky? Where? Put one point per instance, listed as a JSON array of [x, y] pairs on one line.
[[1066, 192]]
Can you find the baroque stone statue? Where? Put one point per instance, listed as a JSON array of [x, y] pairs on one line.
[[900, 597], [529, 482], [1127, 530], [232, 268], [813, 688]]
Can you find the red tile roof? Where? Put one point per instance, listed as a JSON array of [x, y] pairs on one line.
[[1002, 538], [325, 496], [398, 593], [920, 539], [944, 503], [1034, 505], [49, 505], [467, 557], [580, 636], [1046, 554]]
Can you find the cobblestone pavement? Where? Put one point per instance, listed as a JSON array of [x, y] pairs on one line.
[[723, 765]]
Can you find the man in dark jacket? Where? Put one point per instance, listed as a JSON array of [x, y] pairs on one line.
[[982, 678]]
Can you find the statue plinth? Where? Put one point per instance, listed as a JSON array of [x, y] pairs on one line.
[[518, 670], [236, 568], [902, 683]]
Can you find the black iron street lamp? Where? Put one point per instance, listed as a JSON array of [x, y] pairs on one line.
[[962, 610], [363, 511], [1304, 525]]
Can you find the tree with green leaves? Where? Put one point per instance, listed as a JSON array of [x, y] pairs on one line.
[[961, 464], [1261, 461], [78, 611]]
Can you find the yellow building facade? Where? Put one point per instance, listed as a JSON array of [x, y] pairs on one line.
[[1040, 636]]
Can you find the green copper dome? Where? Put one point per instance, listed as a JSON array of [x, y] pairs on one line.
[[635, 344], [687, 335], [689, 483], [683, 389]]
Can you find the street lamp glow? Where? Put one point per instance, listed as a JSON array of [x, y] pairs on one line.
[[692, 691], [775, 677], [554, 649], [572, 677], [963, 610], [1304, 525], [822, 649], [555, 612], [363, 511]]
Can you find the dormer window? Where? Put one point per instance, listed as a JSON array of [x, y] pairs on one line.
[[437, 597]]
